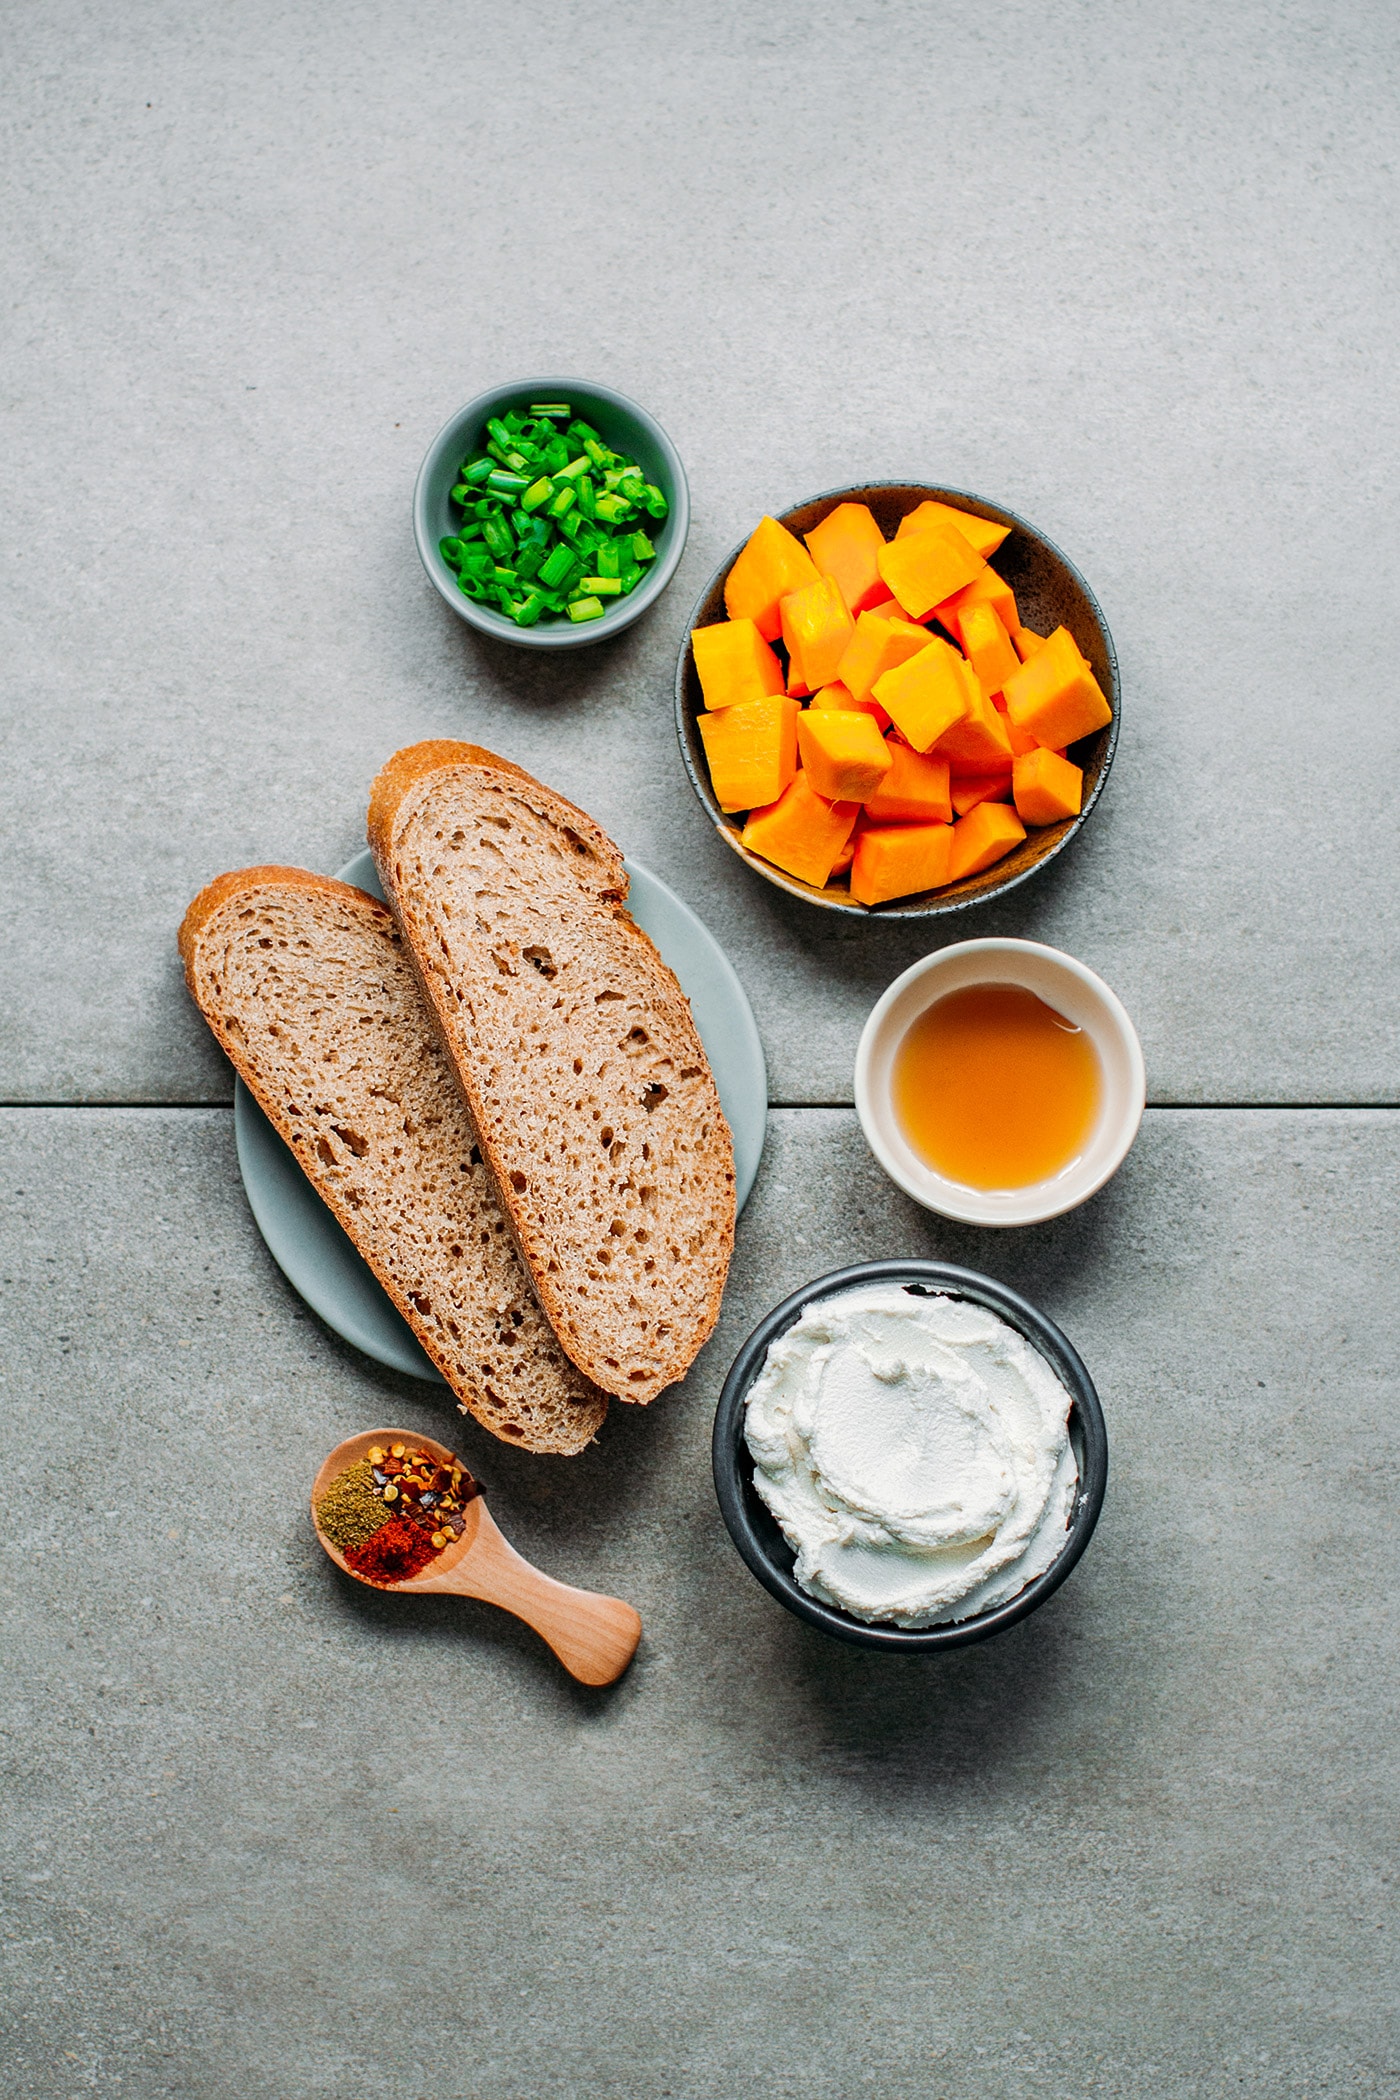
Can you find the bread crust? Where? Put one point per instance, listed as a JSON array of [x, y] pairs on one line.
[[216, 894], [408, 779], [582, 1406], [416, 764]]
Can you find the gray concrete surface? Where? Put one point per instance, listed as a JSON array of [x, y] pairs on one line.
[[1130, 269], [271, 1835]]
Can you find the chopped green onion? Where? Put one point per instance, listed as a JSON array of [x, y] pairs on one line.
[[549, 518], [559, 565]]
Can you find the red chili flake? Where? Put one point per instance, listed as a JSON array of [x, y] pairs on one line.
[[395, 1553]]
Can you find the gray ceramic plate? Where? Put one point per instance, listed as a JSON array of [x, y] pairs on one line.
[[318, 1259]]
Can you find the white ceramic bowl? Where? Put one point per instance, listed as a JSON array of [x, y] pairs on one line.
[[1073, 991]]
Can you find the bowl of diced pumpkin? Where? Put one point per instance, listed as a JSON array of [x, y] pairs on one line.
[[898, 699]]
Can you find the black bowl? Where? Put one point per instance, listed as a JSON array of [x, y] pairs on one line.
[[755, 1531], [1050, 593]]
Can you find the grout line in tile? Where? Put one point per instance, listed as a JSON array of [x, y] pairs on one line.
[[227, 1106], [1183, 1107], [1157, 1107]]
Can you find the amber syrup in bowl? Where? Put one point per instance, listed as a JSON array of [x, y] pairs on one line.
[[994, 1088], [999, 1082]]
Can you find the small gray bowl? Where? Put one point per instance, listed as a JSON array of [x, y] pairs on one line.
[[755, 1530], [624, 426], [1050, 593]]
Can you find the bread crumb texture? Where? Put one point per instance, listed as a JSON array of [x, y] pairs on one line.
[[581, 1062], [307, 985]]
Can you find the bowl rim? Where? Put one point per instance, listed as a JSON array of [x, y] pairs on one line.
[[966, 1208], [896, 908], [728, 1454], [618, 616]]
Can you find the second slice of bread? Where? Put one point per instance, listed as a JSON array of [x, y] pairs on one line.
[[576, 1049], [306, 985]]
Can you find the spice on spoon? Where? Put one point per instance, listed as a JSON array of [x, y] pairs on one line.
[[396, 1553], [394, 1510], [352, 1508]]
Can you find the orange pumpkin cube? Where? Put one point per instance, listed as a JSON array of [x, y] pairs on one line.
[[752, 750], [839, 696], [973, 788], [800, 833], [877, 645], [980, 533], [770, 565], [916, 790], [898, 860], [1021, 741], [1054, 696], [979, 741], [734, 663], [986, 644], [926, 695], [987, 588], [816, 628], [927, 567], [843, 753], [1027, 642], [986, 834], [1047, 787], [842, 863], [845, 546]]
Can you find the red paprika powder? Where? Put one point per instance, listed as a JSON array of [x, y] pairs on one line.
[[396, 1553]]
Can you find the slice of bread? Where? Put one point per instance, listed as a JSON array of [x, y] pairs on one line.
[[585, 1076], [306, 985]]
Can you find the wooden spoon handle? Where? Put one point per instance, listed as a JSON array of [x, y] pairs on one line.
[[595, 1637]]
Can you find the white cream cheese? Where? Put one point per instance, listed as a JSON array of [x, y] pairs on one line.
[[915, 1452]]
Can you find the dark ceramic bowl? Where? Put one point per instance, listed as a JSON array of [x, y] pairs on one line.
[[624, 426], [755, 1531], [1050, 593]]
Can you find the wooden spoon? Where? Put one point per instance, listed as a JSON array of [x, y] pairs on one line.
[[595, 1637]]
